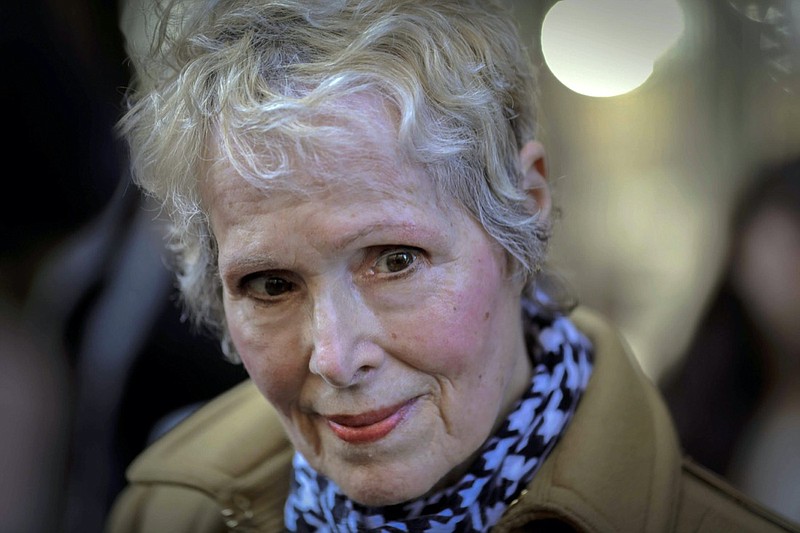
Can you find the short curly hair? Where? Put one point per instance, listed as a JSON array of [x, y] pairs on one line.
[[250, 75]]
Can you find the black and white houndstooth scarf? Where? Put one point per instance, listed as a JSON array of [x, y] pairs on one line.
[[562, 358]]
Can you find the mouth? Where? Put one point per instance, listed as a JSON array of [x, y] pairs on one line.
[[371, 426]]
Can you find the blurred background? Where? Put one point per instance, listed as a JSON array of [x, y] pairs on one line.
[[659, 118], [673, 134], [647, 176]]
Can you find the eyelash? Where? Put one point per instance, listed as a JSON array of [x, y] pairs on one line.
[[246, 288], [387, 252]]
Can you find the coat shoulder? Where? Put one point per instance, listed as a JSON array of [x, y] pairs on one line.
[[709, 503], [227, 465]]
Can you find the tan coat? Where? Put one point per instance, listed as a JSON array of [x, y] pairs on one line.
[[617, 468]]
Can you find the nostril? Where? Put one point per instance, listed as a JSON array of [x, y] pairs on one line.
[[362, 373]]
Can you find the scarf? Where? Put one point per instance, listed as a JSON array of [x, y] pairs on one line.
[[562, 360]]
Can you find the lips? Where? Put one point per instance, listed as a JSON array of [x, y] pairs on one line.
[[370, 426]]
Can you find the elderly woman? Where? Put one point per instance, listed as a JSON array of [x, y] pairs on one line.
[[360, 212]]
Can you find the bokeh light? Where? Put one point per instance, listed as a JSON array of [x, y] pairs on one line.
[[608, 47]]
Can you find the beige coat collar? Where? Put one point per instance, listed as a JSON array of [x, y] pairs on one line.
[[618, 466]]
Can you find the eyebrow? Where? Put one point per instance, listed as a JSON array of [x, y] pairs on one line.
[[248, 261], [347, 240], [408, 230]]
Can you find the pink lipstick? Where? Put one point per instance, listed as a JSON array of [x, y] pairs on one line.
[[368, 427]]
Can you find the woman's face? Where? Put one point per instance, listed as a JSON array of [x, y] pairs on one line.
[[381, 325]]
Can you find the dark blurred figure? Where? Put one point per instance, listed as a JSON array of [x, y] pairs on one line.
[[34, 408], [736, 394], [94, 355], [136, 366], [61, 73], [64, 69]]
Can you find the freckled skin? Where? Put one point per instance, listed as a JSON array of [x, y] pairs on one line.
[[443, 334]]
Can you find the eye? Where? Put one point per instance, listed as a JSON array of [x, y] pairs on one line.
[[396, 260], [267, 286]]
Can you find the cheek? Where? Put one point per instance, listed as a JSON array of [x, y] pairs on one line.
[[273, 361], [455, 332]]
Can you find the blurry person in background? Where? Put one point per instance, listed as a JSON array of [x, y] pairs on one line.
[[735, 396]]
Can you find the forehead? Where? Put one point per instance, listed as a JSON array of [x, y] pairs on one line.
[[366, 171], [349, 141], [351, 180]]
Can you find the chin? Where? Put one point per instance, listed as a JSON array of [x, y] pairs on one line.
[[381, 490], [376, 499]]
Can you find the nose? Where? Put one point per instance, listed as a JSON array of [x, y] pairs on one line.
[[343, 351]]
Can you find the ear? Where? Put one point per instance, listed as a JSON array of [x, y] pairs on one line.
[[534, 178]]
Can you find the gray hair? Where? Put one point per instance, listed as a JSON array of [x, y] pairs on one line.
[[250, 75]]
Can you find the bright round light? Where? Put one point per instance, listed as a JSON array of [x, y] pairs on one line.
[[608, 47]]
